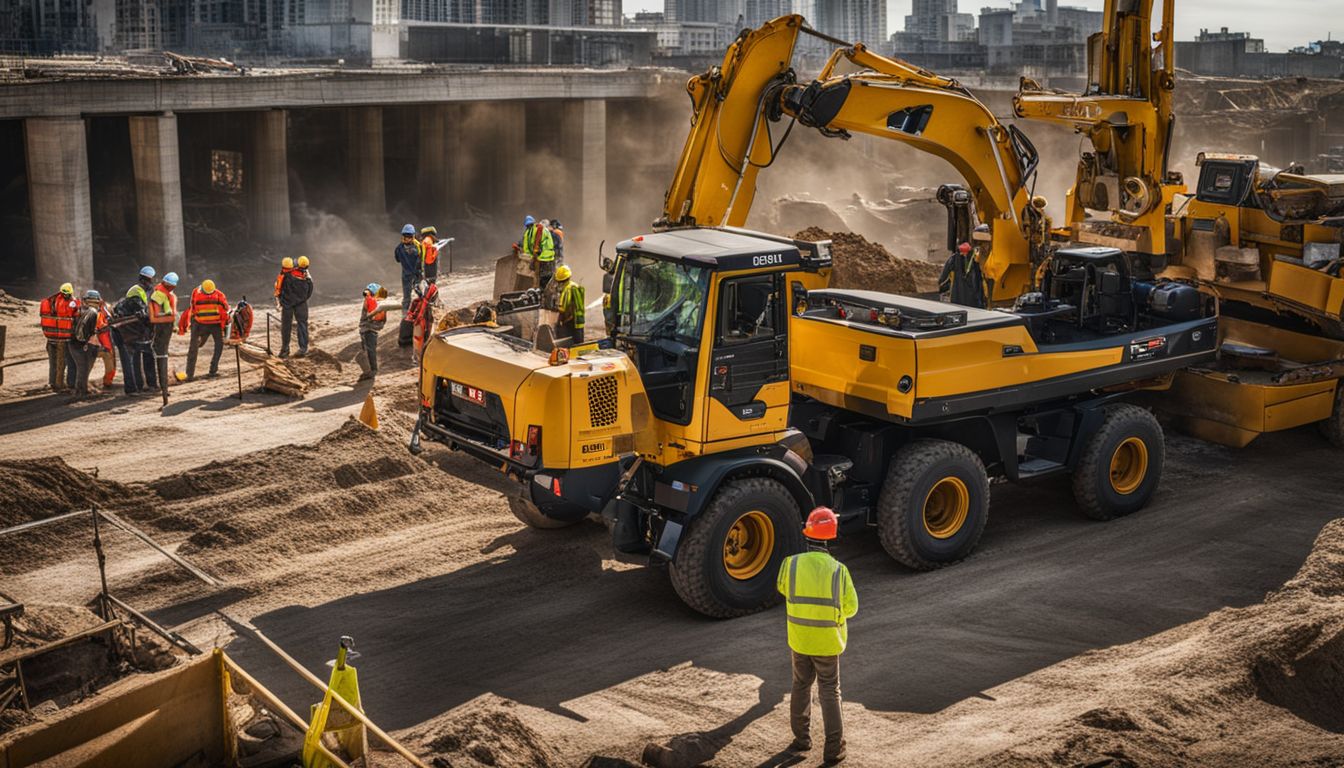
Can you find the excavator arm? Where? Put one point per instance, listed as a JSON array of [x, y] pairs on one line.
[[1126, 114], [731, 139]]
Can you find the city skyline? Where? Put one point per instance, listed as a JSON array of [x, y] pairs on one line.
[[1288, 26]]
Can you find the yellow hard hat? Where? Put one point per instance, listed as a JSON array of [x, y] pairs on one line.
[[303, 262], [563, 272], [287, 263], [208, 285], [67, 289]]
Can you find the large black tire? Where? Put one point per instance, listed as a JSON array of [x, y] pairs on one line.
[[934, 504], [700, 571], [1333, 427], [1121, 464], [528, 513]]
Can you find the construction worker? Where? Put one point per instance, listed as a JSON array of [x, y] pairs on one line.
[[84, 346], [372, 318], [293, 288], [540, 247], [58, 312], [146, 350], [558, 237], [429, 254], [961, 278], [819, 598], [569, 323], [106, 351], [162, 314], [208, 316], [421, 318], [131, 335], [408, 256]]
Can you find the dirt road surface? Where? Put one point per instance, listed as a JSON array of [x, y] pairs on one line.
[[454, 604]]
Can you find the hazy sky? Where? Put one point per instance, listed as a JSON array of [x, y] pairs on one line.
[[1282, 23]]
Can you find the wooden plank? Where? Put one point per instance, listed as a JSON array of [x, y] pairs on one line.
[[175, 716], [39, 523], [23, 655]]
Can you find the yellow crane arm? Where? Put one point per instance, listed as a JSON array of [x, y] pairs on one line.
[[1126, 114], [730, 139]]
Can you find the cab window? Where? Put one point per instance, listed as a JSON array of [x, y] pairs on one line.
[[749, 310]]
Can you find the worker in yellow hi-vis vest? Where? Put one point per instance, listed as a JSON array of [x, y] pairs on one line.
[[819, 597]]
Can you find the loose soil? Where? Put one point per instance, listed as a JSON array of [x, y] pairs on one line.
[[860, 263]]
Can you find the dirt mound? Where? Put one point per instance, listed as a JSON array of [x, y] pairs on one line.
[[11, 306], [483, 732], [860, 263], [44, 487]]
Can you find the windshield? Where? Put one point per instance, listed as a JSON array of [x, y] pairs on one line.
[[661, 298]]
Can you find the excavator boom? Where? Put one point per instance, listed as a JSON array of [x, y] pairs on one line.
[[731, 140], [1126, 114]]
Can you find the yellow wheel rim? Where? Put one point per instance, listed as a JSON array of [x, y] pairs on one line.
[[749, 545], [1129, 465], [946, 508]]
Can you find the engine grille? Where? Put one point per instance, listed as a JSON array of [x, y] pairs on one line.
[[602, 401]]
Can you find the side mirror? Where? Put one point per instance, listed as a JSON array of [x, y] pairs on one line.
[[608, 280], [605, 262]]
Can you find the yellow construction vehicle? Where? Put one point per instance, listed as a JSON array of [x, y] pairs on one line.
[[730, 141], [732, 399], [1264, 241]]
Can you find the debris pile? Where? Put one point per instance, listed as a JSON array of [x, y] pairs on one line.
[[483, 732], [860, 263]]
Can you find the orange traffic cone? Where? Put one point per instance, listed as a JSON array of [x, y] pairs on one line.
[[368, 415]]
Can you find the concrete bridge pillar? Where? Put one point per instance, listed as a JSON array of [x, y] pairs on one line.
[[583, 137], [158, 192], [58, 194], [268, 189], [496, 137], [364, 131], [439, 166]]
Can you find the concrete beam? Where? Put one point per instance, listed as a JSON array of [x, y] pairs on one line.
[[58, 194], [268, 188], [325, 89], [158, 192], [364, 156]]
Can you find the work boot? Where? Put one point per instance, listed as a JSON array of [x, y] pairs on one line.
[[302, 353], [800, 745], [284, 353], [212, 375], [837, 758]]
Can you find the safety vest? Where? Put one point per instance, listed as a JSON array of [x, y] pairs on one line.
[[104, 332], [209, 308], [818, 597], [164, 298], [429, 251], [58, 316], [537, 242], [279, 281], [571, 298]]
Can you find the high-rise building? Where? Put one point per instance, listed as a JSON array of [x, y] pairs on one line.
[[855, 21]]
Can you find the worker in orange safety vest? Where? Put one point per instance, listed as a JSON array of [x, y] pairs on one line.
[[208, 316], [58, 312]]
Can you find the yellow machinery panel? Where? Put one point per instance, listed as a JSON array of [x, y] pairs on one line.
[[1308, 287], [826, 362], [948, 363]]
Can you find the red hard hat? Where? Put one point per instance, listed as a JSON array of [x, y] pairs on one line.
[[964, 247], [822, 524]]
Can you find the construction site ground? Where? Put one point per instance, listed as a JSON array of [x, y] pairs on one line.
[[489, 643]]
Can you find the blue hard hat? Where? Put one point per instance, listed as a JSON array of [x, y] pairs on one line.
[[373, 287], [92, 295], [170, 279], [147, 272], [409, 229], [528, 221]]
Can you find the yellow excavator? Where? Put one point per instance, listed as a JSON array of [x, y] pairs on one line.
[[735, 391], [1265, 242], [734, 106]]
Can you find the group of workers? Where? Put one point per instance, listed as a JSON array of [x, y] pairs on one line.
[[138, 328], [544, 242]]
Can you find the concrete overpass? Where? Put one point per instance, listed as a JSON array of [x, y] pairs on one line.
[[470, 130]]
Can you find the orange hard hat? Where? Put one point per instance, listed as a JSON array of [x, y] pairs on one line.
[[964, 247], [822, 524]]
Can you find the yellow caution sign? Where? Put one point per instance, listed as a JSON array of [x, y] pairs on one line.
[[368, 415], [325, 719]]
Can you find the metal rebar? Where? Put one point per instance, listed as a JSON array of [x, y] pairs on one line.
[[164, 632], [21, 527], [125, 526]]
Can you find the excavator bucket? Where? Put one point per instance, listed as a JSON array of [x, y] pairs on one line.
[[368, 415]]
